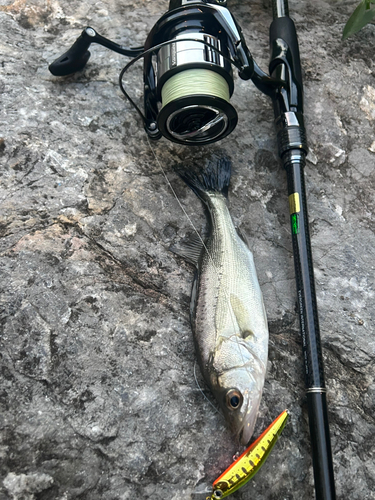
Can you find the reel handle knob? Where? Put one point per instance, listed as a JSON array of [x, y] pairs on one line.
[[76, 57]]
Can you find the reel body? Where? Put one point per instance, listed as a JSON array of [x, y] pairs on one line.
[[188, 87]]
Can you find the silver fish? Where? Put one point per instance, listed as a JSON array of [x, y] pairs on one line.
[[228, 316]]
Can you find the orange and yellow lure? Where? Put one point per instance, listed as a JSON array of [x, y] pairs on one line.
[[251, 460]]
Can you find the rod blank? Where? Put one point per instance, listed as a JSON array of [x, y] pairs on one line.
[[280, 8]]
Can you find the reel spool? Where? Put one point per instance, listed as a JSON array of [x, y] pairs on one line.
[[195, 85]]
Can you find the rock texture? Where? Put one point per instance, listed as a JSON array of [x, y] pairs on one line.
[[97, 390]]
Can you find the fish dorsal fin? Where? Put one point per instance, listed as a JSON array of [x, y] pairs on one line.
[[190, 250], [242, 316]]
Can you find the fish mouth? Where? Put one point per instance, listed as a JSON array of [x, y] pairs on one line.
[[240, 437], [244, 435], [246, 429]]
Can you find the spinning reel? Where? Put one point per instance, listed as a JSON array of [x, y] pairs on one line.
[[188, 78]]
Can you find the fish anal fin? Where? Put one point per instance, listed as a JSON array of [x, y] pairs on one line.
[[242, 316]]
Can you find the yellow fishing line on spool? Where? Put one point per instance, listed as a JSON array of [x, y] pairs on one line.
[[194, 82]]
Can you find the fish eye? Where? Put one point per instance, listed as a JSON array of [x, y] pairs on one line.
[[234, 399]]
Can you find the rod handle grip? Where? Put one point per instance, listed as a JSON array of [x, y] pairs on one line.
[[283, 28]]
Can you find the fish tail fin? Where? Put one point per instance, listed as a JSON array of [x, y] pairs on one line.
[[215, 177]]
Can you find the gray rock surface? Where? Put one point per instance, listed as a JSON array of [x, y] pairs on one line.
[[98, 396]]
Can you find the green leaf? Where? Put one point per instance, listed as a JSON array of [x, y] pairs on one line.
[[360, 17]]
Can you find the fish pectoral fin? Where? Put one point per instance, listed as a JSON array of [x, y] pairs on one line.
[[243, 236], [190, 250], [242, 316]]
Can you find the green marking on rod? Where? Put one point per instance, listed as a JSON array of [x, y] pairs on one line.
[[295, 223]]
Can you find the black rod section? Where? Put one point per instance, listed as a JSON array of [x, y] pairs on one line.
[[288, 107], [280, 8], [294, 162]]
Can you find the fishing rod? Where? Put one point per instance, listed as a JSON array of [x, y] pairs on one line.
[[189, 57], [291, 136]]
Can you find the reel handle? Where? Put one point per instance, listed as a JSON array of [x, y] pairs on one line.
[[76, 57]]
